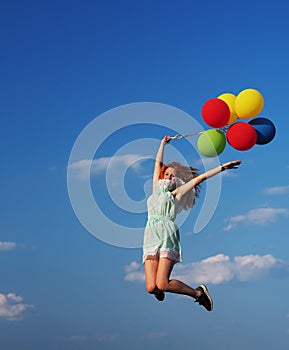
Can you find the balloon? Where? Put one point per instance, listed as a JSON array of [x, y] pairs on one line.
[[230, 100], [211, 143], [241, 136], [249, 103], [216, 113], [265, 130]]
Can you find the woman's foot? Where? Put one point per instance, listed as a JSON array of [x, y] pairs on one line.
[[159, 294], [204, 299]]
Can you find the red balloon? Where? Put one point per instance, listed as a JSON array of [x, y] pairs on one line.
[[216, 113], [241, 136]]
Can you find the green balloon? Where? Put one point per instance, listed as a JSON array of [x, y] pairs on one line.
[[211, 143]]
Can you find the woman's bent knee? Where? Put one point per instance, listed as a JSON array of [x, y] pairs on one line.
[[163, 285], [151, 288]]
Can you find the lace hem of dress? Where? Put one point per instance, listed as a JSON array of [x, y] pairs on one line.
[[156, 254]]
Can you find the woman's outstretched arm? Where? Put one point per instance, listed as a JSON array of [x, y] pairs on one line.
[[180, 191]]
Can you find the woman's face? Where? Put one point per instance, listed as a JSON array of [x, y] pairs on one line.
[[169, 173]]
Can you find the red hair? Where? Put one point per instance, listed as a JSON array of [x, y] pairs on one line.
[[162, 171]]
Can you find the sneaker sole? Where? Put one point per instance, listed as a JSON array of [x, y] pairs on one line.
[[205, 290]]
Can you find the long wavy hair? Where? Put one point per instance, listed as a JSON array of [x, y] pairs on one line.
[[185, 173]]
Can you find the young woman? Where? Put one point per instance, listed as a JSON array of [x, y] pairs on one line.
[[175, 187]]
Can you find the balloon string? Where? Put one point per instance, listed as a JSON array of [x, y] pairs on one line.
[[178, 136]]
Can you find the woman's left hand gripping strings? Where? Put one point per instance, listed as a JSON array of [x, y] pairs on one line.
[[167, 139]]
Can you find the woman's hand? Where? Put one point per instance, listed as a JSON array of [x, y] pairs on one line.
[[231, 165], [166, 139]]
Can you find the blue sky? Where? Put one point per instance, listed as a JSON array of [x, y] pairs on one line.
[[66, 65]]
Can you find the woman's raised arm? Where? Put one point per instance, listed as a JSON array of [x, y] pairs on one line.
[[159, 159]]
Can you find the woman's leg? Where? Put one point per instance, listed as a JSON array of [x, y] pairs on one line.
[[163, 282], [151, 267], [158, 281]]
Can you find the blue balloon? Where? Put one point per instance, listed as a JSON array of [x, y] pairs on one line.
[[265, 130]]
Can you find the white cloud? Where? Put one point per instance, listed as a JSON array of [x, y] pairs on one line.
[[86, 167], [259, 216], [218, 269], [253, 266], [82, 168], [5, 246], [277, 190], [134, 272], [12, 306]]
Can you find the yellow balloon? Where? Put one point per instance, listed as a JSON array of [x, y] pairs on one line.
[[230, 100], [249, 103]]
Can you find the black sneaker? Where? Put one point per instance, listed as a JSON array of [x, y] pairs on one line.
[[204, 299], [160, 295]]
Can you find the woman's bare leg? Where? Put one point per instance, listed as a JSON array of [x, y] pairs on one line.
[[158, 281], [164, 283], [151, 268]]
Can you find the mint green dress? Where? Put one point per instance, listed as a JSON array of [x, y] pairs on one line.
[[161, 236]]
